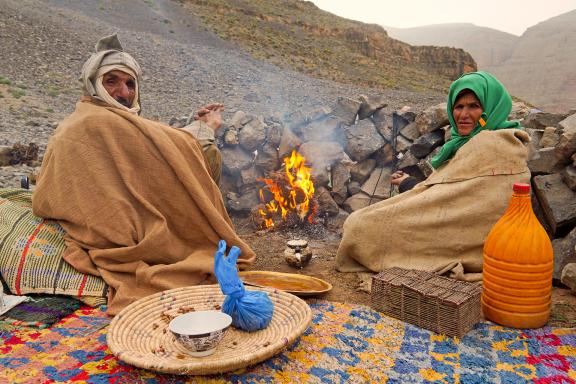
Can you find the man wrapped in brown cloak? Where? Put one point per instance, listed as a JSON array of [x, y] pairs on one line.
[[136, 198]]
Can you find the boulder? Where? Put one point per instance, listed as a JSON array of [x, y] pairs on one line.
[[274, 133], [541, 120], [346, 110], [362, 140], [288, 143], [234, 159], [544, 161], [426, 143], [354, 187], [242, 203], [340, 178], [370, 104], [569, 176], [432, 118], [410, 131], [267, 158], [359, 201], [549, 138], [239, 119], [568, 276], [567, 144], [378, 184], [252, 135], [326, 205], [564, 253], [557, 200], [361, 170], [382, 121]]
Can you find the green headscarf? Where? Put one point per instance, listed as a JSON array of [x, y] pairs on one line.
[[496, 105]]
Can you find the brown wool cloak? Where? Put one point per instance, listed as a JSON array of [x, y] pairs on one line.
[[442, 223], [136, 200]]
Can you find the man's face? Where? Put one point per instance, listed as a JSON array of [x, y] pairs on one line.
[[121, 86]]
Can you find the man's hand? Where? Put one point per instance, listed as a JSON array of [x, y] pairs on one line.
[[398, 177], [211, 115]]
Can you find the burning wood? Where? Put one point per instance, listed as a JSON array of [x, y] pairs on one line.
[[288, 191]]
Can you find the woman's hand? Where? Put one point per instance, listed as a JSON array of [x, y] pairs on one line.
[[398, 177], [211, 115]]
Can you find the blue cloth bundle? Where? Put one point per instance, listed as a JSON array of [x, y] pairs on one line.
[[250, 310]]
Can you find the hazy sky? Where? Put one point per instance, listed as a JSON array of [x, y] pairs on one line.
[[512, 16]]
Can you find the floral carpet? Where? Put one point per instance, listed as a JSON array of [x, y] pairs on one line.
[[346, 343]]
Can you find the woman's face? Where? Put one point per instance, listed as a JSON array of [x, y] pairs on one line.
[[467, 111]]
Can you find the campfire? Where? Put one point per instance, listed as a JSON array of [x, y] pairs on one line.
[[288, 193]]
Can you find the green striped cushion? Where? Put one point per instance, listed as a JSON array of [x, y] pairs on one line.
[[31, 253]]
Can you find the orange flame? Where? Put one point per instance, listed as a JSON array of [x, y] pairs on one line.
[[295, 196]]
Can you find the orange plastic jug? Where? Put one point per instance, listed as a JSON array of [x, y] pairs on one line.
[[518, 266]]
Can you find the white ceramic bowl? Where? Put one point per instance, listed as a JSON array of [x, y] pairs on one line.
[[201, 331]]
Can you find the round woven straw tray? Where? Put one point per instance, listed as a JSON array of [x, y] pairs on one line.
[[139, 334]]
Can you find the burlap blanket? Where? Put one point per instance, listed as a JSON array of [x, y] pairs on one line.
[[136, 201], [442, 223]]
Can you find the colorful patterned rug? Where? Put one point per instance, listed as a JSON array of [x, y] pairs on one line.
[[345, 344]]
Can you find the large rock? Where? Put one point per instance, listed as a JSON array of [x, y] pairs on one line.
[[234, 159], [568, 277], [558, 202], [253, 134], [249, 175], [346, 110], [378, 184], [326, 205], [239, 119], [340, 178], [382, 122], [362, 140], [426, 143], [549, 138], [564, 253], [362, 169], [410, 131], [369, 105], [544, 161], [569, 176], [567, 145], [321, 156], [432, 118], [288, 143], [541, 120], [267, 158], [359, 201], [243, 202], [274, 133]]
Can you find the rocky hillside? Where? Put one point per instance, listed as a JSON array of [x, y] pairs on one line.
[[541, 68], [488, 47], [537, 67], [45, 42], [298, 35]]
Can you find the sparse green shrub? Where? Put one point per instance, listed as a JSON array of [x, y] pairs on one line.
[[16, 92], [5, 81], [49, 110], [52, 91]]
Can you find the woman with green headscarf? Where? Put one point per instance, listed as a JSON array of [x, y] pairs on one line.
[[440, 225], [470, 111]]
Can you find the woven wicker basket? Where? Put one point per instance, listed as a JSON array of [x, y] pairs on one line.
[[439, 304], [139, 334]]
